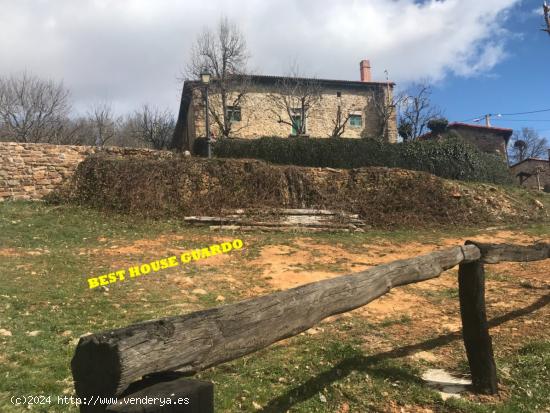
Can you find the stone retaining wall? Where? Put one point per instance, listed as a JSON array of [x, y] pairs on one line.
[[32, 170]]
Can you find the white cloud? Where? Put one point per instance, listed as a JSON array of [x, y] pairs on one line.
[[132, 51]]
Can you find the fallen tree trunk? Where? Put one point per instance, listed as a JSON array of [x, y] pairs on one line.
[[495, 253], [105, 364]]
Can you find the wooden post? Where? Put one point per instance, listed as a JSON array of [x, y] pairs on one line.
[[475, 330], [161, 395]]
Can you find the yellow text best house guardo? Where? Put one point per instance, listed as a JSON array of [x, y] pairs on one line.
[[164, 263]]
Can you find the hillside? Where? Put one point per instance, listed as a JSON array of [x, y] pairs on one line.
[[382, 197]]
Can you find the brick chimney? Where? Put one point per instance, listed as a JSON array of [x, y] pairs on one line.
[[365, 71]]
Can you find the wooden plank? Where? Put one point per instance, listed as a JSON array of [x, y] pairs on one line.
[[212, 220], [106, 363], [291, 211], [495, 253], [276, 229], [475, 331], [296, 211]]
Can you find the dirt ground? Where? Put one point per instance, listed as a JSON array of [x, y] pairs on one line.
[[283, 266], [429, 307]]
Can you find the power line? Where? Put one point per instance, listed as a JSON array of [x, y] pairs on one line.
[[524, 113], [520, 120], [507, 114]]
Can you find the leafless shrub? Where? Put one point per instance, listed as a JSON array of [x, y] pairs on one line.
[[102, 123], [153, 126]]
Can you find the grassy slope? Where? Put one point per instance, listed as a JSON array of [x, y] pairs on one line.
[[42, 284]]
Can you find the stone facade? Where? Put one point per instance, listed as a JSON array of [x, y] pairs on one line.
[[259, 117], [29, 171], [487, 139], [525, 172]]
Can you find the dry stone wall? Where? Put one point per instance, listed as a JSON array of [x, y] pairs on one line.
[[30, 171]]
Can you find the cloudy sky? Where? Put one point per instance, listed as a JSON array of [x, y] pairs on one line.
[[484, 56]]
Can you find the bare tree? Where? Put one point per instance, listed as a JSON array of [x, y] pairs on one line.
[[416, 110], [385, 106], [527, 143], [223, 53], [342, 117], [153, 126], [33, 109], [293, 100], [340, 122], [103, 123], [76, 131]]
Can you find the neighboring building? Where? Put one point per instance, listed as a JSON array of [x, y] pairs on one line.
[[533, 173], [257, 116], [488, 139]]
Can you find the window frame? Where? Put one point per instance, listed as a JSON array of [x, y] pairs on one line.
[[355, 116], [231, 111], [296, 113]]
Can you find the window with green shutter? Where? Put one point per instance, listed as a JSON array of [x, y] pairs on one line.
[[356, 121], [234, 113], [296, 121]]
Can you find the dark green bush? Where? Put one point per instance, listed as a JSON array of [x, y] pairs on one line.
[[450, 158], [438, 125], [200, 147]]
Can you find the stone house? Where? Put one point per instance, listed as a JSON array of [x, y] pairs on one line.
[[363, 104], [487, 138], [533, 173]]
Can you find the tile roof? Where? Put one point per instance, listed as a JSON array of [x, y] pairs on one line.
[[345, 84], [529, 160], [504, 132], [481, 127]]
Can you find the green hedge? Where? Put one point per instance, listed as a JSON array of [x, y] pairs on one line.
[[451, 158]]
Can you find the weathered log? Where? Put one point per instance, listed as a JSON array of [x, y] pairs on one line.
[[161, 396], [475, 330], [495, 253], [106, 363]]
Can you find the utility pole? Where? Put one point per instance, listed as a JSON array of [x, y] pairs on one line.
[[487, 118]]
